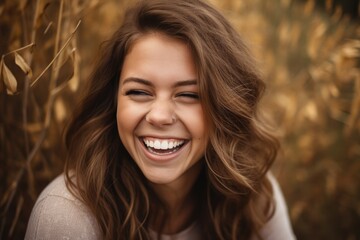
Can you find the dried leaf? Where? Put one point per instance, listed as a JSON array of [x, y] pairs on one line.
[[311, 111], [334, 90], [74, 82], [9, 79], [60, 110], [351, 52], [20, 61]]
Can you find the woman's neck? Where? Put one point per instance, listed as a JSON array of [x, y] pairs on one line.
[[180, 202]]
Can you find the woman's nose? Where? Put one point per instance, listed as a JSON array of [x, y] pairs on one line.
[[161, 113]]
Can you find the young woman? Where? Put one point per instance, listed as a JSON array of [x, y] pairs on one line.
[[166, 143]]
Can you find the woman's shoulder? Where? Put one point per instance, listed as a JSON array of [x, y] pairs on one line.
[[279, 226], [57, 188], [58, 214]]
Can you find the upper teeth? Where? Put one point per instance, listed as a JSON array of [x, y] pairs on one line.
[[163, 144]]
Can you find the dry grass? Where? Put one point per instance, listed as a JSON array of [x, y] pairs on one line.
[[310, 60]]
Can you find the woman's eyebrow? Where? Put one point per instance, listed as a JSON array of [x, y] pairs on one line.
[[137, 80], [149, 83], [185, 83]]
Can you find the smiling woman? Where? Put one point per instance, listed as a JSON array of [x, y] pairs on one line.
[[166, 143], [164, 110]]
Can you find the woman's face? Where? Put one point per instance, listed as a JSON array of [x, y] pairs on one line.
[[159, 115]]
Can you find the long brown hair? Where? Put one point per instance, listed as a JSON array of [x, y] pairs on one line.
[[233, 182]]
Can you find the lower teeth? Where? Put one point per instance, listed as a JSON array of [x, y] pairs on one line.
[[162, 152]]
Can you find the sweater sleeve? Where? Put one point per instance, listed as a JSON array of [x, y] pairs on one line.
[[279, 226], [59, 215]]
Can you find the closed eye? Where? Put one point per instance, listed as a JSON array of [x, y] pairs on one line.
[[137, 93], [190, 95]]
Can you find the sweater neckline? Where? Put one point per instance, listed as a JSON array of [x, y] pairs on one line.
[[191, 230]]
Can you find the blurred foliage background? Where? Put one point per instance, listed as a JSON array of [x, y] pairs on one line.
[[308, 52]]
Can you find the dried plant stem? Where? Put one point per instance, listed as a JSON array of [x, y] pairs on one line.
[[42, 136], [19, 49], [55, 69], [57, 55], [26, 90]]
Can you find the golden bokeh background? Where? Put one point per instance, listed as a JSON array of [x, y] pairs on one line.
[[308, 52]]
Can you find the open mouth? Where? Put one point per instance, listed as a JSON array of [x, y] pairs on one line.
[[163, 146]]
